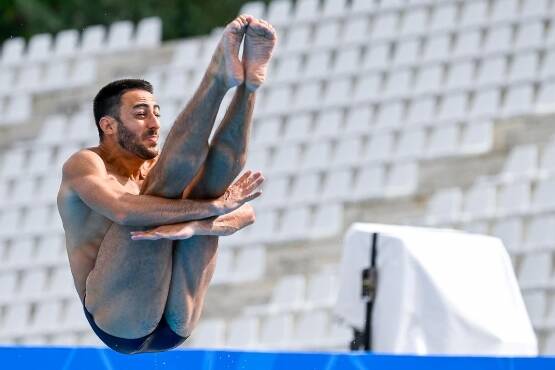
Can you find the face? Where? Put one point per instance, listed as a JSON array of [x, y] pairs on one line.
[[139, 124]]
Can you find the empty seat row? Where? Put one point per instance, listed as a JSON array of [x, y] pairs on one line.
[[16, 109], [39, 283], [466, 42], [297, 292], [536, 270], [314, 329], [25, 252], [31, 220], [24, 163], [95, 39], [396, 106], [325, 154], [381, 63], [239, 265], [299, 223], [520, 235], [54, 316], [40, 78], [344, 185], [29, 191], [485, 200], [414, 17]]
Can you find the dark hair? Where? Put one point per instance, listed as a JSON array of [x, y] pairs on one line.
[[107, 101]]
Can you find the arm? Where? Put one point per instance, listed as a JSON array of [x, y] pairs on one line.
[[85, 174], [218, 226]]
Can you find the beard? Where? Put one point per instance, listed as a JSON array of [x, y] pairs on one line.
[[132, 142]]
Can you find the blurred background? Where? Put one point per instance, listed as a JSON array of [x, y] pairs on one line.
[[417, 112]]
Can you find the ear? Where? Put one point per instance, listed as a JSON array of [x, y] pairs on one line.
[[108, 125]]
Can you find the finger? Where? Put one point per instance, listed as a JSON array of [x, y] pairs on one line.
[[144, 236], [244, 176], [253, 196], [254, 177], [255, 184]]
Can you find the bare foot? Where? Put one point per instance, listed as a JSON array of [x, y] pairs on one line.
[[260, 40], [225, 64]]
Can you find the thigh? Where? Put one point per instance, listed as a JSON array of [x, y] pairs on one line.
[[127, 290]]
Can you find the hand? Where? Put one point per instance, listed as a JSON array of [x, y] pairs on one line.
[[241, 191], [180, 231]]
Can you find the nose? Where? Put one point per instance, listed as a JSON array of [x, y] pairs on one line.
[[153, 122]]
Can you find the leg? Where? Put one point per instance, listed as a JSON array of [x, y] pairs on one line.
[[127, 289], [194, 259]]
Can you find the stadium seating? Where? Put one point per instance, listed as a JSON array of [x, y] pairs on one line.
[[369, 111]]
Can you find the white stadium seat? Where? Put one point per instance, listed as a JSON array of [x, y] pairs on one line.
[[243, 332], [407, 52], [535, 270], [444, 16], [327, 124], [120, 36], [318, 64], [529, 35], [370, 182], [444, 207], [326, 34], [534, 8], [327, 220], [429, 79], [437, 48], [66, 43], [13, 51], [518, 100], [385, 26], [521, 162], [276, 331], [477, 137], [474, 13], [511, 231], [536, 304], [210, 333], [479, 201], [93, 39], [149, 32], [306, 10], [40, 47], [460, 75], [498, 39], [467, 43], [540, 233], [524, 67], [411, 145], [514, 198], [505, 10], [414, 22]]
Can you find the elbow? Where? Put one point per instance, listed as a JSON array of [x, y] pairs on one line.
[[121, 218]]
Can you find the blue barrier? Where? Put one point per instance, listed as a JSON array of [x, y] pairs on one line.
[[51, 358]]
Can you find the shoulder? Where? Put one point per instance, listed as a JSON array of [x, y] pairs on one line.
[[84, 161]]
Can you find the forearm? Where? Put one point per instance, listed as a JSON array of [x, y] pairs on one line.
[[147, 210], [217, 226]]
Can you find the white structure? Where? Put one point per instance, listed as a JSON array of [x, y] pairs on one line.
[[438, 292]]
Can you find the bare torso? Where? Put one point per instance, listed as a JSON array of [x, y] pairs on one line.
[[84, 228]]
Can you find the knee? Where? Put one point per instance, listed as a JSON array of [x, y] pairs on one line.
[[123, 323], [127, 326], [182, 325]]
